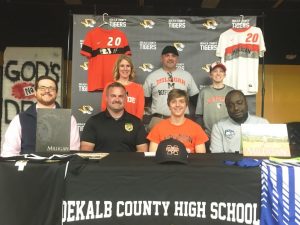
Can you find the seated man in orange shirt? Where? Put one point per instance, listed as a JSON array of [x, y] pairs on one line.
[[177, 126]]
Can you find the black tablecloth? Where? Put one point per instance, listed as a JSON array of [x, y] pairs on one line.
[[128, 188], [204, 191], [32, 196]]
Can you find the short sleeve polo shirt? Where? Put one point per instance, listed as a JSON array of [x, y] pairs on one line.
[[111, 135]]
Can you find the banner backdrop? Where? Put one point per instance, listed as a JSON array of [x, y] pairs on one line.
[[22, 66], [195, 38]]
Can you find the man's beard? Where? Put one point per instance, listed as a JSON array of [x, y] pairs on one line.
[[46, 103]]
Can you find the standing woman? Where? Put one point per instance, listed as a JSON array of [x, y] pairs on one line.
[[124, 73]]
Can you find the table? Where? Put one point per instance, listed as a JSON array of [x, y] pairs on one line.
[[127, 188]]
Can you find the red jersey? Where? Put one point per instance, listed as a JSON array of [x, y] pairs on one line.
[[102, 47]]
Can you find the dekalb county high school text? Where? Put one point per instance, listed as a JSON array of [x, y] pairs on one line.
[[96, 210]]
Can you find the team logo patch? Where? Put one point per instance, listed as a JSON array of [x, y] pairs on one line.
[[128, 127], [172, 150], [229, 133]]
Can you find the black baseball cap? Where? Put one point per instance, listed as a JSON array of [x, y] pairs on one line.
[[170, 49], [171, 150]]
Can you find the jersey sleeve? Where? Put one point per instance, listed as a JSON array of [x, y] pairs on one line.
[[127, 50], [86, 49], [220, 51], [262, 47]]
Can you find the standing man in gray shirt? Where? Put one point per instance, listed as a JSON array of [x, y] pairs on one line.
[[160, 82], [211, 100], [226, 134]]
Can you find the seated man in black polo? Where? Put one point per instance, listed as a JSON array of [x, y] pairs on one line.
[[114, 130]]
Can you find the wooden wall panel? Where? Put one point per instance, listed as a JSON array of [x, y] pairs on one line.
[[282, 93]]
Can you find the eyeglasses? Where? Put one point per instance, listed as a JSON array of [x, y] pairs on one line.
[[44, 88]]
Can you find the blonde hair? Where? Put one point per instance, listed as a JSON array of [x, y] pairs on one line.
[[117, 64]]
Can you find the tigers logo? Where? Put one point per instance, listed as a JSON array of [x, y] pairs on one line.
[[179, 46], [128, 127], [147, 24], [86, 109], [211, 24], [172, 150], [88, 22], [146, 67], [84, 66], [206, 67]]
